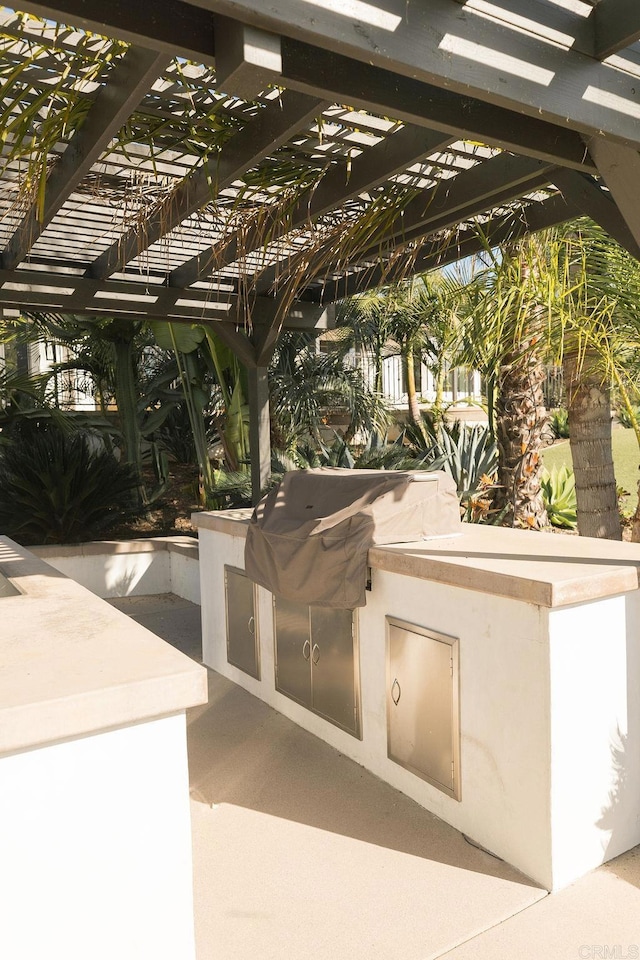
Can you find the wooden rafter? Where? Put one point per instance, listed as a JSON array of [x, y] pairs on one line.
[[317, 71], [587, 194], [388, 158], [180, 29], [522, 76], [440, 252], [310, 69], [616, 26], [471, 55], [494, 182], [620, 169], [65, 293], [273, 126], [131, 79]]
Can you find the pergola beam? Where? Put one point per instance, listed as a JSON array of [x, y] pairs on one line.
[[66, 293], [587, 194], [548, 20], [499, 180], [435, 42], [438, 42], [391, 156], [273, 126], [319, 72], [616, 26], [315, 71], [619, 167], [131, 78], [439, 252], [182, 30]]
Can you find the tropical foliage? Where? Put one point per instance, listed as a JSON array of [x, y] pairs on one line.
[[169, 391], [305, 385], [505, 336], [559, 492], [559, 423], [62, 488]]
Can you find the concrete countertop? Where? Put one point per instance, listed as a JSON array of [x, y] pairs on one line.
[[546, 569], [188, 546], [72, 665]]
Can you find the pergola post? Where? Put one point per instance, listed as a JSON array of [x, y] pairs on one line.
[[259, 430]]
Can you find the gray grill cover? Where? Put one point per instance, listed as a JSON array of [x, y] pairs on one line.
[[308, 538]]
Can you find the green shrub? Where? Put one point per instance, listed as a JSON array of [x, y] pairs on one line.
[[559, 495], [468, 453], [559, 423], [62, 488], [624, 419]]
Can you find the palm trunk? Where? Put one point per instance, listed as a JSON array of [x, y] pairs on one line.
[[438, 404], [631, 413], [379, 360], [590, 438], [520, 418], [127, 402], [410, 376]]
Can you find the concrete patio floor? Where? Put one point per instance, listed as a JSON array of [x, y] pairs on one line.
[[300, 853]]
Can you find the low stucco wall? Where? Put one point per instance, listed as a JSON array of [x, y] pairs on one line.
[[130, 568], [95, 846]]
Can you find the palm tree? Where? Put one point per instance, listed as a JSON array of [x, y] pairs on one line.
[[416, 320], [599, 284], [504, 338], [304, 384], [115, 353]]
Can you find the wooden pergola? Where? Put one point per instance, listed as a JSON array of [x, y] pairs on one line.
[[207, 167]]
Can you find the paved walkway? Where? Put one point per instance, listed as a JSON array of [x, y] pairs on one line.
[[301, 854]]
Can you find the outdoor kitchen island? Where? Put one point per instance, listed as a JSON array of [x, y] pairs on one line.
[[95, 830], [514, 655]]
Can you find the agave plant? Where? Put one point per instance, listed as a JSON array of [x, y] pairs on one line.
[[626, 419], [376, 454], [559, 492], [467, 453], [559, 423]]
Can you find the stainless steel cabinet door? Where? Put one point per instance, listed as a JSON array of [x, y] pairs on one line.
[[422, 704], [333, 667], [242, 633], [293, 650]]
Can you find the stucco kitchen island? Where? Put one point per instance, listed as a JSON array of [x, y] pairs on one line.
[[521, 657], [95, 834]]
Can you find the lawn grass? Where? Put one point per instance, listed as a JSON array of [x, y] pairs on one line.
[[626, 459]]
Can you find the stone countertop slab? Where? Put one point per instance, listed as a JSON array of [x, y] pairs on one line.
[[72, 665], [546, 569]]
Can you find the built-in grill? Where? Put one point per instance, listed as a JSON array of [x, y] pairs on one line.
[[308, 544], [308, 539]]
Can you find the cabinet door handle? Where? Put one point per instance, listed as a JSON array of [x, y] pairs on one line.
[[316, 653], [251, 625], [396, 692], [306, 649]]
